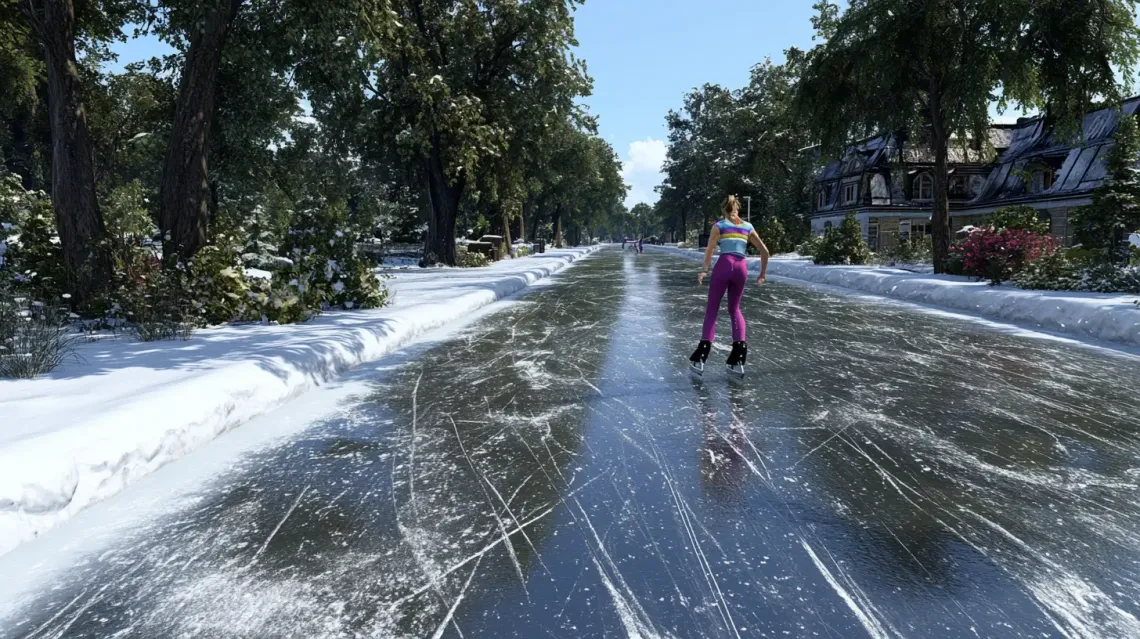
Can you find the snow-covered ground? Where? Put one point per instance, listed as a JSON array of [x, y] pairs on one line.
[[1113, 318], [90, 428]]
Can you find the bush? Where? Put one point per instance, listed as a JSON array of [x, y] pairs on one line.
[[35, 338], [522, 250], [843, 244], [775, 236], [29, 250], [1059, 272], [1019, 218], [999, 255], [327, 270], [468, 259], [911, 250], [810, 246]]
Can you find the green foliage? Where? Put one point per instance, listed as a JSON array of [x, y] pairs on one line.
[[748, 142], [933, 69], [810, 246], [469, 259], [1019, 218], [774, 235], [327, 270], [1059, 272], [911, 250], [843, 244], [31, 250], [1104, 225]]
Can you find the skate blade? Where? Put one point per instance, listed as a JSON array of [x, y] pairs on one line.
[[697, 369], [736, 372]]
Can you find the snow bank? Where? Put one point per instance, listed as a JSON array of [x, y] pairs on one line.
[[1113, 318], [89, 429]]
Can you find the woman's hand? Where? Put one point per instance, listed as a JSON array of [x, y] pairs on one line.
[[701, 277], [762, 280]]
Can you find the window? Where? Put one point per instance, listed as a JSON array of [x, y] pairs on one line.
[[924, 187], [850, 193], [827, 226], [919, 229], [820, 199], [1047, 179], [958, 186]]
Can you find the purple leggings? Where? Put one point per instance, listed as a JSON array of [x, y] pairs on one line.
[[730, 274]]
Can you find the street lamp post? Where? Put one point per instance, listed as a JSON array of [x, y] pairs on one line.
[[748, 199]]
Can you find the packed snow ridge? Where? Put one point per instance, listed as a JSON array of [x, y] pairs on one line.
[[91, 428], [1107, 317]]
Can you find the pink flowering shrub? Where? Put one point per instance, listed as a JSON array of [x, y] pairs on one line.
[[998, 255]]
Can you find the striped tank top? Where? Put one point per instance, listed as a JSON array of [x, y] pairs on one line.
[[734, 237]]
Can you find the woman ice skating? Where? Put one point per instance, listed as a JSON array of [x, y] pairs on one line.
[[732, 236]]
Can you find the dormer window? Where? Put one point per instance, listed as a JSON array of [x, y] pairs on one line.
[[821, 198], [850, 193], [924, 187]]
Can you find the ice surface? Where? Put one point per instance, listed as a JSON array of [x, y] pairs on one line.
[[93, 427], [880, 472], [1099, 316]]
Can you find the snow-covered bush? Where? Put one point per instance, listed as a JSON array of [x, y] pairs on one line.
[[1058, 272], [810, 246], [843, 244], [327, 270], [915, 249], [471, 259], [998, 255], [215, 285], [31, 253], [35, 338]]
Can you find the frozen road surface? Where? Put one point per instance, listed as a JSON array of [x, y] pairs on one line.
[[553, 471]]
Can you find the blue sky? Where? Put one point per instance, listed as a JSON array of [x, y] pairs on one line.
[[645, 54]]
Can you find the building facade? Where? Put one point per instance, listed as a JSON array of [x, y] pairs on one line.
[[888, 185]]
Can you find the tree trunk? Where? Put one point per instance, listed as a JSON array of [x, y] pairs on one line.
[[558, 226], [506, 234], [528, 206], [443, 198], [184, 193], [940, 217], [86, 261]]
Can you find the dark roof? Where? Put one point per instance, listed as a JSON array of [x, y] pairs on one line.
[[1082, 161], [879, 151]]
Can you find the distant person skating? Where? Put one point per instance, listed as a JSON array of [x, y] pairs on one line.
[[731, 235]]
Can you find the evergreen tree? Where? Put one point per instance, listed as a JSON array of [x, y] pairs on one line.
[[1105, 225]]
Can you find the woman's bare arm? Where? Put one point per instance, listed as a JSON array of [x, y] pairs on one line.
[[754, 239], [714, 238]]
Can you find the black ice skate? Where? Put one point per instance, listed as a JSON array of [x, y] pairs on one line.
[[699, 357], [737, 359]]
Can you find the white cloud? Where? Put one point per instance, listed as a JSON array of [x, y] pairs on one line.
[[641, 170]]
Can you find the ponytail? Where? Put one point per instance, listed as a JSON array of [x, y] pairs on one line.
[[731, 207]]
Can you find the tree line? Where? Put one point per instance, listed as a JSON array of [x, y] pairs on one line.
[[928, 69], [405, 115]]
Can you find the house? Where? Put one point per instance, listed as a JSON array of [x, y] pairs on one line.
[[888, 184], [889, 188]]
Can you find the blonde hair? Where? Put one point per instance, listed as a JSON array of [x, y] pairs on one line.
[[731, 207]]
